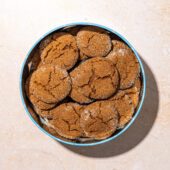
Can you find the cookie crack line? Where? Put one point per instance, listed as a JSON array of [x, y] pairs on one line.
[[109, 120], [112, 81], [49, 77], [88, 42], [93, 123], [37, 83], [75, 111], [40, 101], [89, 81], [69, 125], [119, 116], [90, 115], [58, 56], [67, 122], [103, 77], [44, 57], [93, 90], [106, 77], [100, 105], [48, 51], [67, 46], [85, 84], [50, 88]]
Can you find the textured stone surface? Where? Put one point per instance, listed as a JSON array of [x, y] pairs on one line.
[[146, 25]]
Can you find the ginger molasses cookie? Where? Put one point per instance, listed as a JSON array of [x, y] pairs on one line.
[[66, 120], [93, 42], [50, 84], [34, 100], [124, 106], [99, 120], [134, 92], [93, 79], [125, 61], [61, 51]]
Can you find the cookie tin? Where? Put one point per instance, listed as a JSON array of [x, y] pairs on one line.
[[24, 73]]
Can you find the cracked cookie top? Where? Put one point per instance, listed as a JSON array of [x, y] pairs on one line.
[[125, 61], [99, 120], [95, 78], [124, 106], [61, 50], [34, 100], [50, 84], [66, 120], [93, 42]]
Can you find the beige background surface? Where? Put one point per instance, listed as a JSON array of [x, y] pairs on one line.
[[146, 145]]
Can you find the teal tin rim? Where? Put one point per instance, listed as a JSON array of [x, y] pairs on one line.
[[135, 114]]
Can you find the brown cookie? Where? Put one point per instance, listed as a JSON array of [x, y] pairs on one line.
[[34, 100], [95, 78], [125, 61], [93, 42], [99, 120], [66, 120], [61, 51], [50, 84], [124, 106], [134, 92]]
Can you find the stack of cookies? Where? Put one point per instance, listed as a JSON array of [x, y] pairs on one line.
[[83, 83]]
